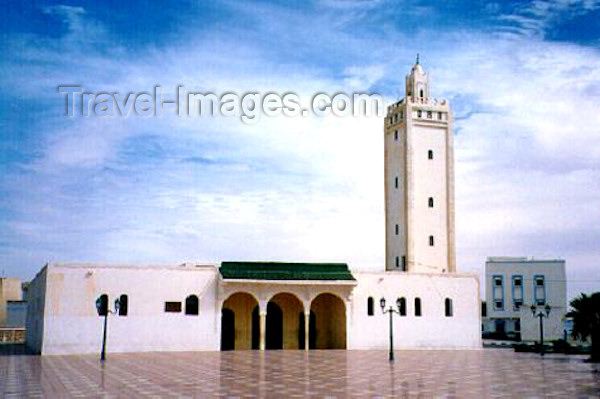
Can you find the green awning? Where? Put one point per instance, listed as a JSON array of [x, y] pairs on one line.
[[285, 271]]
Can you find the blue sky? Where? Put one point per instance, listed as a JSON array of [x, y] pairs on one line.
[[523, 79]]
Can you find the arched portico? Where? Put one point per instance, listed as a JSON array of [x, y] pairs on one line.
[[330, 321], [237, 327]]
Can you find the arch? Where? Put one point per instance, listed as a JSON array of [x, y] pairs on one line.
[[242, 305], [287, 308], [330, 321], [370, 304], [191, 305], [123, 305]]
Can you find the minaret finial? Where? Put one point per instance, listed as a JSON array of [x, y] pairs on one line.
[[417, 58]]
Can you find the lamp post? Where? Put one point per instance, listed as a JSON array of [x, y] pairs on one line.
[[391, 311], [541, 313], [103, 310]]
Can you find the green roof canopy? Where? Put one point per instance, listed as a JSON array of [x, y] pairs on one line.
[[285, 271]]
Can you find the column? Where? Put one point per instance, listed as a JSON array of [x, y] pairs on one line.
[[263, 329], [306, 326]]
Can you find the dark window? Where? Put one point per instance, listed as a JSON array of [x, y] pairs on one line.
[[123, 305], [396, 135], [102, 305], [174, 307], [370, 306], [448, 307], [517, 282], [518, 325], [430, 154], [402, 309], [431, 242], [483, 309], [418, 307], [403, 263], [191, 305], [396, 182], [439, 116], [397, 261], [397, 229], [498, 281], [419, 113], [499, 304], [430, 202], [429, 115], [421, 93]]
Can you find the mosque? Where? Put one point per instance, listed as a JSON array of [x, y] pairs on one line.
[[275, 305]]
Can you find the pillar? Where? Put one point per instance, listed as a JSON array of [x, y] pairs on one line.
[[306, 326], [263, 329]]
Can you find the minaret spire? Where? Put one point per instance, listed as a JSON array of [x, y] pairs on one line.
[[417, 58]]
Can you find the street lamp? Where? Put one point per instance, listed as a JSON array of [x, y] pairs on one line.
[[103, 310], [541, 313], [391, 311]]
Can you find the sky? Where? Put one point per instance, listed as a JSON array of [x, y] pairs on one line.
[[522, 78]]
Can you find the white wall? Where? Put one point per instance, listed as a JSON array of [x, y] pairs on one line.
[[71, 323], [433, 329], [34, 324]]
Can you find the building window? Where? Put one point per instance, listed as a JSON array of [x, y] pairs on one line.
[[396, 182], [431, 241], [449, 311], [370, 306], [539, 290], [397, 229], [430, 202], [173, 307], [439, 116], [419, 113], [418, 307], [421, 93], [397, 261], [517, 292], [402, 303], [518, 325], [483, 309], [401, 115], [429, 115], [403, 263], [191, 305], [396, 135], [102, 305], [498, 292], [123, 305], [430, 154]]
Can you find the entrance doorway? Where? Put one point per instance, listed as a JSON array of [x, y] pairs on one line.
[[227, 330], [274, 327]]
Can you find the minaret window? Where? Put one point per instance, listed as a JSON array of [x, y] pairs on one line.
[[403, 263], [421, 93], [396, 182], [396, 135], [431, 241], [418, 307], [397, 229], [448, 307], [430, 154], [430, 202], [397, 261], [439, 116], [370, 307]]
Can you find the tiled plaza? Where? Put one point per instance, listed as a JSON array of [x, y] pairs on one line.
[[297, 374]]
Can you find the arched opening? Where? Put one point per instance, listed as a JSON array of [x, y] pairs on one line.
[[227, 330], [191, 305], [241, 305], [283, 324], [274, 338], [330, 322]]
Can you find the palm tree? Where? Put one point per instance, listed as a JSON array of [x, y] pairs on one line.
[[586, 321]]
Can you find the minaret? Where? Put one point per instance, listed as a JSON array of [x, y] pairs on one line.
[[419, 181]]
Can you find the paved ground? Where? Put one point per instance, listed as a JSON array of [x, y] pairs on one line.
[[296, 374]]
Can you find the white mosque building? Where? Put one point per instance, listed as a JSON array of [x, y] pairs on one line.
[[274, 305]]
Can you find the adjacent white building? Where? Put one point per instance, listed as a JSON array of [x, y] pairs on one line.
[[276, 305], [513, 285]]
